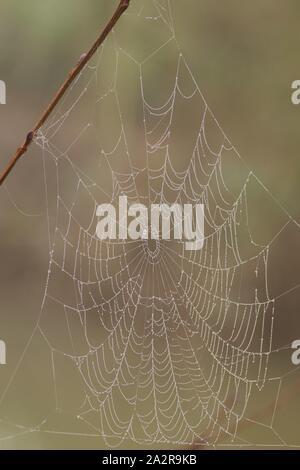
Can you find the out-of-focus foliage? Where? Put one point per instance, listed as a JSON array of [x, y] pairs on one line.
[[244, 56]]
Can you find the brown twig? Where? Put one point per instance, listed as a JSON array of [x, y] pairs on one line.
[[122, 7]]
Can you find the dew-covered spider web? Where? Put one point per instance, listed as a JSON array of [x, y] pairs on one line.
[[150, 343]]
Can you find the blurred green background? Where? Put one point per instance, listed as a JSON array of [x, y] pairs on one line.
[[244, 56]]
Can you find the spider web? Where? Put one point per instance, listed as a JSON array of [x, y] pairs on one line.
[[168, 346]]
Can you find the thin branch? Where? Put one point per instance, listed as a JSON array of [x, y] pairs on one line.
[[122, 7]]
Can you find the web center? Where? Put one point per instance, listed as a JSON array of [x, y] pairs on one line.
[[152, 249], [152, 246]]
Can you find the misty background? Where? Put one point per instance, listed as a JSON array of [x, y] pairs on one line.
[[244, 57]]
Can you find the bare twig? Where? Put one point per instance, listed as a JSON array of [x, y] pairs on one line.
[[84, 59]]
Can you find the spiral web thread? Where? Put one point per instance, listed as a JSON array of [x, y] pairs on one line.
[[168, 345]]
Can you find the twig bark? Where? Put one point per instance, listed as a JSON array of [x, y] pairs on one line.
[[122, 7]]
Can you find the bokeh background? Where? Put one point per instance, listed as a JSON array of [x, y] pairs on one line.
[[244, 56]]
